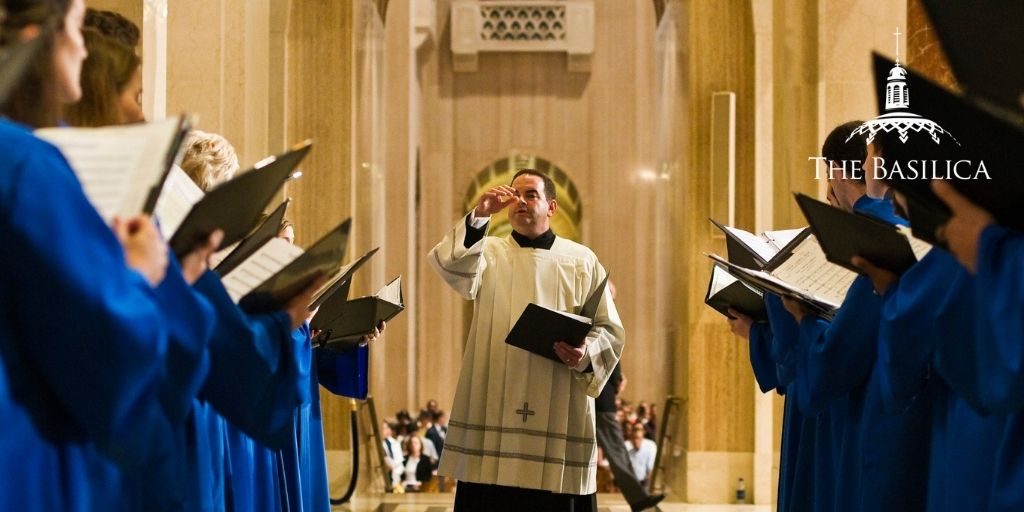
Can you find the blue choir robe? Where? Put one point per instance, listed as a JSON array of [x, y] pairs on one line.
[[82, 340], [771, 358], [164, 483], [880, 459], [253, 387], [256, 475], [925, 348], [304, 462], [999, 289]]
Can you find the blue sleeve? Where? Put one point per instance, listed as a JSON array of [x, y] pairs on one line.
[[190, 321], [765, 369], [255, 378], [999, 303], [344, 373], [785, 334], [85, 328], [838, 356]]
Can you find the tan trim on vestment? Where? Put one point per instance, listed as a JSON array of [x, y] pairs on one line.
[[526, 431], [521, 456]]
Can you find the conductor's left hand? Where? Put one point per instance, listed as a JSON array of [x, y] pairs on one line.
[[569, 354]]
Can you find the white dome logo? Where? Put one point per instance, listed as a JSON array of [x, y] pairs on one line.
[[897, 117]]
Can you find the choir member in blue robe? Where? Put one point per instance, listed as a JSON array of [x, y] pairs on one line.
[[303, 463], [996, 255], [926, 351], [772, 361], [83, 338], [881, 459], [256, 381]]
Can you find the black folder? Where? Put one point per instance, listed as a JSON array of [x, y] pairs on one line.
[[323, 258], [341, 283], [737, 295], [984, 47], [265, 232], [843, 235], [236, 205], [538, 328], [982, 136], [342, 323]]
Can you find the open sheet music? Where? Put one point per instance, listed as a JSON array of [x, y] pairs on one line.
[[176, 200], [805, 275], [120, 166], [267, 261], [758, 251]]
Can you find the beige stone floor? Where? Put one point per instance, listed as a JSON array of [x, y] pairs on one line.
[[443, 503]]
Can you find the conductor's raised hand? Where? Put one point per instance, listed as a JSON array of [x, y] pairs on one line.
[[495, 200], [569, 354], [298, 307], [197, 260], [144, 250], [963, 231], [740, 324], [377, 331]]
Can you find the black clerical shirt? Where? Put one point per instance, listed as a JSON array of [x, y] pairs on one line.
[[544, 241]]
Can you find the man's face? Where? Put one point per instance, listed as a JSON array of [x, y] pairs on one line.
[[841, 189], [637, 438], [530, 214]]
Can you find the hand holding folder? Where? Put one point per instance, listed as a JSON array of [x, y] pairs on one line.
[[539, 327]]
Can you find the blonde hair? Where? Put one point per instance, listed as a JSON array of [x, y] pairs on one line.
[[209, 159]]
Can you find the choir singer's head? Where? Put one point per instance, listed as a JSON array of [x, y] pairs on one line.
[[53, 80]]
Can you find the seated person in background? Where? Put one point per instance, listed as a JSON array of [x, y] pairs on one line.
[[394, 459], [642, 452], [418, 469]]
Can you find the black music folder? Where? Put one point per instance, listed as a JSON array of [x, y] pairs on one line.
[[984, 46], [323, 258], [726, 291], [341, 282], [342, 323], [760, 251], [267, 230], [236, 205], [843, 235], [538, 328], [981, 136]]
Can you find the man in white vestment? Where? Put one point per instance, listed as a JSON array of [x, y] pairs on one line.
[[521, 432]]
